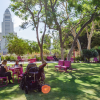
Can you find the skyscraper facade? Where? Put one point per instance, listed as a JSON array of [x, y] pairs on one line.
[[7, 27]]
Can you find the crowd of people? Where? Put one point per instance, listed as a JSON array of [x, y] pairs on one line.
[[5, 72]]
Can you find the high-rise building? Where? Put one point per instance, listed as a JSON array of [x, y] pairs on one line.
[[7, 27]]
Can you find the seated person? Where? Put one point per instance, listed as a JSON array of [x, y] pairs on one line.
[[55, 58], [30, 66], [17, 65], [4, 71], [41, 74]]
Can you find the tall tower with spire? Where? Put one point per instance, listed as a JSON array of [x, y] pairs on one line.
[[7, 27]]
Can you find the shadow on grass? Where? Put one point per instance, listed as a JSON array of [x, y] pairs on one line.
[[80, 84]]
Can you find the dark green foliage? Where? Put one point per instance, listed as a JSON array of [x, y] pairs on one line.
[[7, 58], [47, 41], [98, 49], [16, 45], [94, 52], [2, 58], [45, 51], [12, 58], [90, 53], [79, 58], [38, 58], [96, 39], [45, 57], [33, 46]]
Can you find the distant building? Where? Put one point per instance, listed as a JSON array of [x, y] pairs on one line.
[[7, 27]]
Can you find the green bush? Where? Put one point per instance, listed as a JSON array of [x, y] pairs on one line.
[[65, 54], [94, 52], [87, 53], [29, 57], [45, 58], [13, 58], [10, 58], [38, 58], [90, 53], [97, 48], [7, 57], [79, 58], [2, 57], [77, 61], [57, 52], [45, 51]]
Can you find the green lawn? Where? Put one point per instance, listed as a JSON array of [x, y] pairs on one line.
[[80, 84]]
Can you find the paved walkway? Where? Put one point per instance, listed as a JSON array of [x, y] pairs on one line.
[[8, 62]]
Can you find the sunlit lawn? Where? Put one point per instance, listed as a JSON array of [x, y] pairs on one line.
[[80, 84]]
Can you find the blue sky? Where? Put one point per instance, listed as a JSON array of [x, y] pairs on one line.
[[25, 34]]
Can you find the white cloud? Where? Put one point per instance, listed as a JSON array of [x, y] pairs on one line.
[[17, 21]]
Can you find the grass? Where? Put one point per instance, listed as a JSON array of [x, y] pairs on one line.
[[80, 84]]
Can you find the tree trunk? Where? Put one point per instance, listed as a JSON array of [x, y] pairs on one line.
[[61, 44], [70, 52], [41, 54], [75, 39], [89, 43], [62, 52], [78, 42], [88, 60], [79, 47], [89, 36], [99, 58]]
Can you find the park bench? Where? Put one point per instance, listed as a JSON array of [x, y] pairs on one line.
[[50, 58]]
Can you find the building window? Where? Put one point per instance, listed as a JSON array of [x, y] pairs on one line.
[[7, 17], [7, 23], [8, 27], [7, 20]]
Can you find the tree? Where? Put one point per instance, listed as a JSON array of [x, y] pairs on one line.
[[98, 49], [59, 16], [91, 17], [26, 10], [47, 41], [90, 53], [56, 41], [17, 46], [89, 36], [33, 46]]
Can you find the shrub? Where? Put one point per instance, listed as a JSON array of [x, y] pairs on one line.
[[29, 57], [56, 51], [87, 53], [65, 54], [90, 53], [77, 61], [45, 58], [2, 57], [94, 52], [7, 57], [79, 58], [13, 58], [38, 58], [98, 49], [45, 51]]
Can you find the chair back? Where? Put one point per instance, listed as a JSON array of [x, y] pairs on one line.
[[61, 62], [21, 70], [72, 60], [32, 60], [95, 59], [19, 58], [67, 63]]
